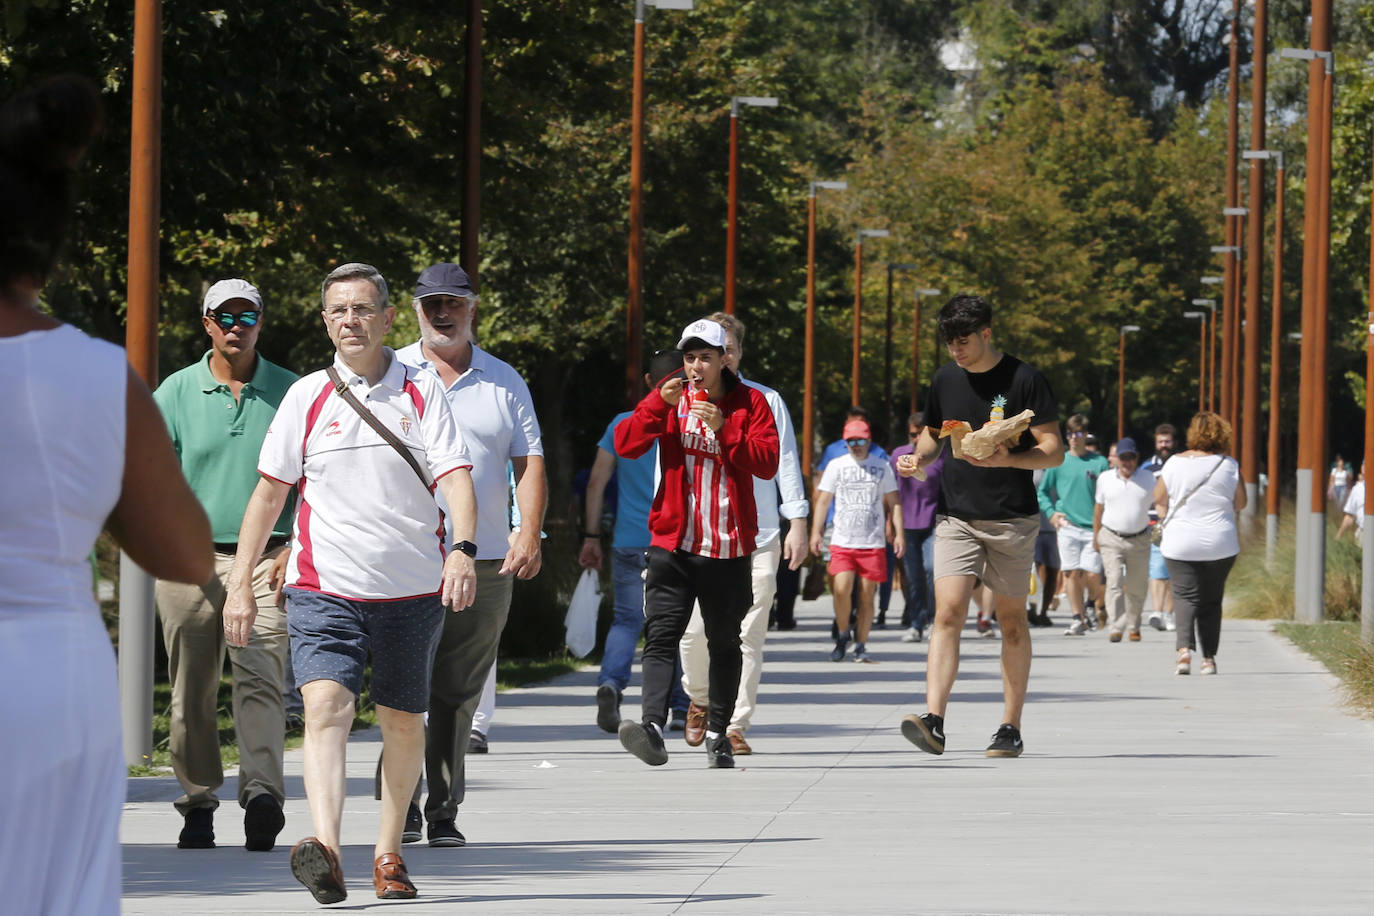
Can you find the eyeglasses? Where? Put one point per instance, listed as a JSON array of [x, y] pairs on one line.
[[913, 433], [1077, 434], [338, 313], [856, 443], [227, 320]]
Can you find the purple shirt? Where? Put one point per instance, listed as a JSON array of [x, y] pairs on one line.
[[919, 497]]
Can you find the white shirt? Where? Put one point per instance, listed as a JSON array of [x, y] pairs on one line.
[[1126, 502], [366, 527], [495, 413], [1205, 527], [1354, 504], [859, 487], [787, 483], [63, 455]]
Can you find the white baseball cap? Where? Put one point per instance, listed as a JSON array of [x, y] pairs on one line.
[[225, 290], [704, 330]]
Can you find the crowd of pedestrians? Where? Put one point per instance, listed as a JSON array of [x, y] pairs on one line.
[[359, 518]]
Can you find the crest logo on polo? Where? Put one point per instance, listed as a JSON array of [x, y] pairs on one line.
[[405, 426]]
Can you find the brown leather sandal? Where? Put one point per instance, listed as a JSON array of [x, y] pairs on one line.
[[317, 867], [391, 879]]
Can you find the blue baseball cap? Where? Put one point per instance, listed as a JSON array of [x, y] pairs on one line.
[[1127, 447], [444, 280]]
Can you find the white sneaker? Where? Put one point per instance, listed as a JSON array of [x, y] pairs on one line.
[[1156, 620], [1076, 628], [1169, 622], [913, 635]]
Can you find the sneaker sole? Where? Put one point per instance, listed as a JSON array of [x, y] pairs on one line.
[[635, 739], [720, 762], [261, 829], [411, 836], [1003, 752], [607, 711], [311, 868], [447, 842], [915, 731]]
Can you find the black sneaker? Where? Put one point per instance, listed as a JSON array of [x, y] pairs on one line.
[[841, 643], [262, 821], [477, 742], [607, 708], [926, 732], [199, 830], [644, 742], [1006, 743], [719, 754], [414, 830], [446, 834]]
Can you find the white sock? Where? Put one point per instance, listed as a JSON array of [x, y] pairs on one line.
[[712, 736]]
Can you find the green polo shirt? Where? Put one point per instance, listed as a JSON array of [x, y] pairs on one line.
[[218, 439]]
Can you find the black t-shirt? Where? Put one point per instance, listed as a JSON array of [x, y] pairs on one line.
[[1011, 386]]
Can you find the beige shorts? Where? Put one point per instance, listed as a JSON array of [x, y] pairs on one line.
[[1001, 552]]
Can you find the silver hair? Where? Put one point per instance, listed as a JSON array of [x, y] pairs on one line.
[[355, 270]]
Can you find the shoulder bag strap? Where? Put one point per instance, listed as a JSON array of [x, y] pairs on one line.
[[371, 420], [1184, 501]]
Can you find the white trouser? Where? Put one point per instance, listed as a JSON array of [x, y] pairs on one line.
[[696, 661]]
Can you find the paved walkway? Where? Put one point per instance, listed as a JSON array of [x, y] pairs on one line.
[[1139, 792]]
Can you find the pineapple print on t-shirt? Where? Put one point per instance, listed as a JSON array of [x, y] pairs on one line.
[[711, 528]]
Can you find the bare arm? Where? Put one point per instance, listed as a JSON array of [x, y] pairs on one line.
[[822, 508], [525, 556], [1097, 524], [794, 549], [240, 605], [1240, 498], [897, 533], [602, 468], [158, 520], [1161, 499], [459, 585]]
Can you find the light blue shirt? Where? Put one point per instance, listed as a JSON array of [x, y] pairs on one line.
[[635, 490]]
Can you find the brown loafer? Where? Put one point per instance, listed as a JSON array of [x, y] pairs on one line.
[[738, 744], [695, 732], [317, 867], [390, 878]]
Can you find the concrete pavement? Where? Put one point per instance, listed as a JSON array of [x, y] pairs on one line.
[[1139, 792]]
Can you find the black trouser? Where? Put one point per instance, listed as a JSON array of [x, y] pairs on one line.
[[1198, 586], [673, 584], [785, 599]]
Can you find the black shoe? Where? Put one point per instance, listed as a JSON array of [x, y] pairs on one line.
[[199, 830], [881, 622], [607, 708], [477, 742], [644, 742], [262, 821], [719, 754], [926, 732], [834, 630], [414, 830], [1006, 743], [841, 643], [446, 834], [787, 624], [677, 722]]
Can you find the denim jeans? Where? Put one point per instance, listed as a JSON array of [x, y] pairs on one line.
[[627, 583], [919, 568]]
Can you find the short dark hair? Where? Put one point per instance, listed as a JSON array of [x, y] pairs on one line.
[[1076, 423], [855, 412], [1167, 429], [44, 130], [964, 315], [663, 364], [696, 343]]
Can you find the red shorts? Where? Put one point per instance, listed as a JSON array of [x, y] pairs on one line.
[[869, 562]]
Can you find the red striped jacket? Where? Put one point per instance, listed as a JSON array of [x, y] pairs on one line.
[[711, 472]]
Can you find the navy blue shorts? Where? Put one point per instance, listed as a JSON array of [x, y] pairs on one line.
[[1047, 550], [331, 638]]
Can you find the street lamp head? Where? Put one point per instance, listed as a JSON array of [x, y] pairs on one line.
[[902, 266], [1308, 54], [1225, 249], [874, 233], [1210, 303], [1295, 335], [669, 4], [1127, 328], [1194, 314], [927, 292], [1213, 281], [1275, 154], [828, 186], [757, 101], [1235, 211]]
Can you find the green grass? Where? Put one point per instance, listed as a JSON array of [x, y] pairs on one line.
[[1257, 591], [1337, 645], [510, 673]]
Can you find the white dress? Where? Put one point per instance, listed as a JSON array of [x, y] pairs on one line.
[[62, 773]]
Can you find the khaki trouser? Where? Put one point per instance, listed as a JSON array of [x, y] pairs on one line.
[[193, 629], [1126, 563], [696, 660]]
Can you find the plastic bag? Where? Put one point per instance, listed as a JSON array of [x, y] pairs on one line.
[[580, 621]]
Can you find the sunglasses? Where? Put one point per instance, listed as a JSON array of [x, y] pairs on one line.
[[856, 443], [227, 320]]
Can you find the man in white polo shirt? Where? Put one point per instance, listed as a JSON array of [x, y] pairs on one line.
[[368, 572], [499, 426], [771, 543], [1121, 533]]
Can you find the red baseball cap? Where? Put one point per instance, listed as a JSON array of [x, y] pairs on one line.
[[857, 429]]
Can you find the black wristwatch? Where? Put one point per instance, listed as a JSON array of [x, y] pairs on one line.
[[466, 547]]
